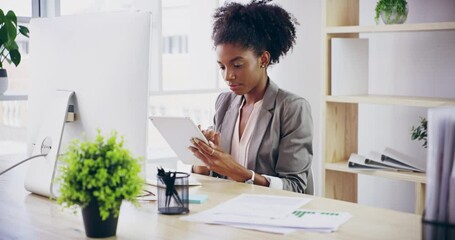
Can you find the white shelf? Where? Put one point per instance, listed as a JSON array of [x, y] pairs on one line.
[[441, 26], [12, 96]]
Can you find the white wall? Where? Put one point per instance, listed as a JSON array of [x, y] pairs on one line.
[[300, 71], [421, 64]]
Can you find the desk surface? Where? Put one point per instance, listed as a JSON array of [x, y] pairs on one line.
[[27, 216]]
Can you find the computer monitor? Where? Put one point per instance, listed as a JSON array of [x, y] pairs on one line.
[[104, 59]]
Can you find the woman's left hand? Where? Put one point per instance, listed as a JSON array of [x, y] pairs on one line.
[[217, 160]]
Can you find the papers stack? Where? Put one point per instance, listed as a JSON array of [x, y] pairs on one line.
[[270, 214], [440, 195]]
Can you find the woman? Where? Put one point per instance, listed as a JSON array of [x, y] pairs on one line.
[[262, 134]]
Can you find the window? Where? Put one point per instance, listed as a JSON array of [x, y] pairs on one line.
[[187, 82], [22, 8], [190, 80], [13, 114], [70, 7], [188, 58]]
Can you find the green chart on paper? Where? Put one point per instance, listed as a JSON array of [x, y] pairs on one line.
[[299, 213]]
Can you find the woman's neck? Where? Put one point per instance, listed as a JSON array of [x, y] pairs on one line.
[[257, 93]]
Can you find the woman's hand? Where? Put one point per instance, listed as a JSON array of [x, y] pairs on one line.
[[210, 135], [203, 170], [216, 159]]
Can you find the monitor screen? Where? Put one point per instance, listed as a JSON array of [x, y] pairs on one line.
[[104, 59]]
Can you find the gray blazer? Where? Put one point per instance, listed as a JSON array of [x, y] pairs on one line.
[[282, 139]]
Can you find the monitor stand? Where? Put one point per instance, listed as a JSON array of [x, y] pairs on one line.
[[42, 171]]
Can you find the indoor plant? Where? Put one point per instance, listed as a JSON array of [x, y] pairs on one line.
[[97, 176], [420, 133], [9, 50], [391, 11]]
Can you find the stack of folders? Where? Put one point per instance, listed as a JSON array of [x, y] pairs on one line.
[[389, 159], [270, 213], [439, 217]]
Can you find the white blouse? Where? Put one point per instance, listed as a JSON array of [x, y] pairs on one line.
[[240, 146]]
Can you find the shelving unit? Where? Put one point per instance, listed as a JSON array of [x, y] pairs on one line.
[[340, 113]]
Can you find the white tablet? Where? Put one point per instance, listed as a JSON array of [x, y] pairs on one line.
[[178, 132]]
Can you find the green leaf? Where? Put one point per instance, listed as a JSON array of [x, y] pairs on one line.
[[11, 45], [11, 16], [15, 56], [420, 132], [2, 17], [3, 35], [11, 30], [24, 30]]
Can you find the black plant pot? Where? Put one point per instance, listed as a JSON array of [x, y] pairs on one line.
[[95, 227]]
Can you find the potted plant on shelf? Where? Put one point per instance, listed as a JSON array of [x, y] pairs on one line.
[[419, 133], [9, 50], [391, 11], [97, 176]]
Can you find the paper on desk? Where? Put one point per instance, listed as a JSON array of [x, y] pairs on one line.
[[270, 214], [266, 206], [300, 219], [305, 220], [269, 229]]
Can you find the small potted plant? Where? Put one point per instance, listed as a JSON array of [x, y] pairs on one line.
[[419, 133], [9, 50], [391, 11], [97, 176]]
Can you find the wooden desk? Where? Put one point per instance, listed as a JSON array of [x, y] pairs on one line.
[[27, 216]]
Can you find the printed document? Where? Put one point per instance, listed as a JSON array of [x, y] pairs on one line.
[[268, 213]]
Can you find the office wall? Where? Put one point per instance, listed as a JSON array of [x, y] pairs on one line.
[[300, 71], [419, 64]]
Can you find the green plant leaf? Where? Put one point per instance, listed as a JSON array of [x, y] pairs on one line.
[[11, 16], [15, 56], [102, 171], [388, 6], [9, 49], [2, 17], [3, 35], [419, 133], [11, 45], [11, 30], [24, 30]]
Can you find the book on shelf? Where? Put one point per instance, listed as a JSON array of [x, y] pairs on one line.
[[389, 159], [394, 157]]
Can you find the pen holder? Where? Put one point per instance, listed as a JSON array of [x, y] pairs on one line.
[[173, 193]]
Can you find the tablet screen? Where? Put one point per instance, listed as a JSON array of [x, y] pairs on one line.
[[178, 132]]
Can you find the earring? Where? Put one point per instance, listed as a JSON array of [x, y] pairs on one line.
[[262, 66]]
